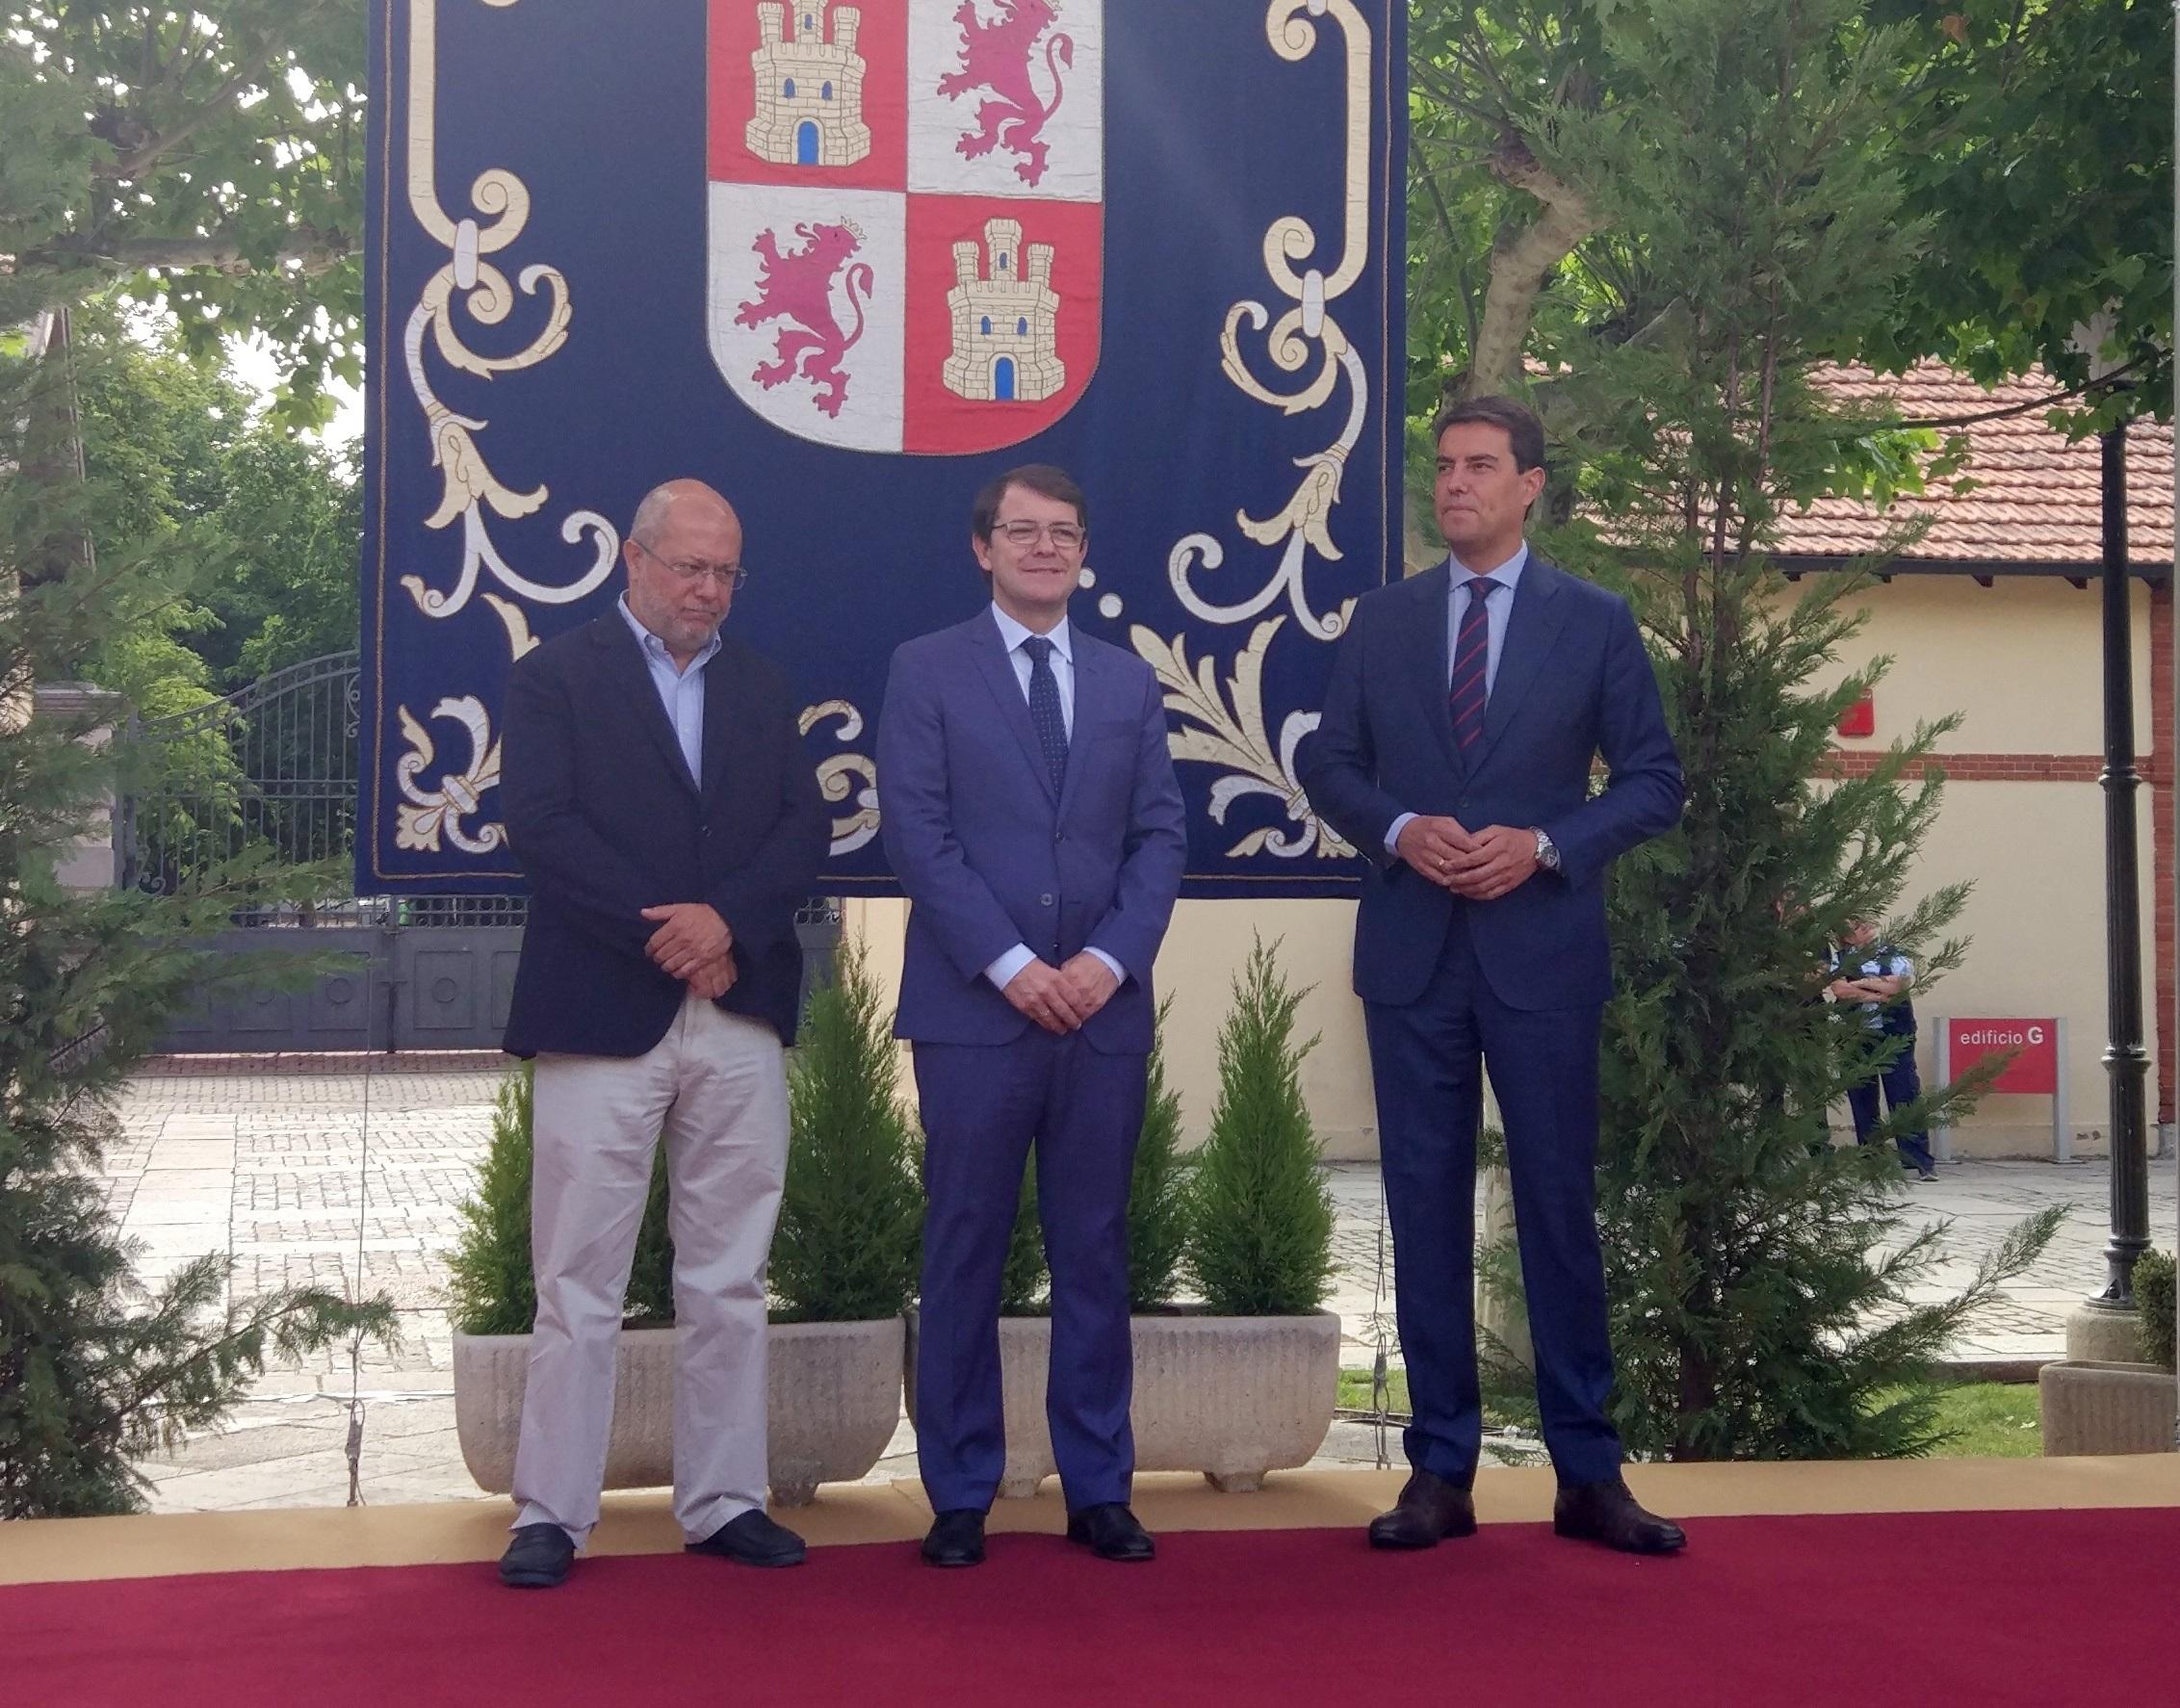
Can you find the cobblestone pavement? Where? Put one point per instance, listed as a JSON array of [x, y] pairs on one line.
[[349, 1172]]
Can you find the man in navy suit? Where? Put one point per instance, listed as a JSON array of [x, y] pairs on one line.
[[658, 797], [1468, 705], [1030, 812]]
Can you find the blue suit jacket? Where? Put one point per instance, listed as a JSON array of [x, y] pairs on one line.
[[1574, 681], [989, 858], [606, 820]]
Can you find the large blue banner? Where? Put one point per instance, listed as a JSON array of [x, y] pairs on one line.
[[845, 262]]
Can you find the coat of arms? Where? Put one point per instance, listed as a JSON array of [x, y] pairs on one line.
[[906, 212]]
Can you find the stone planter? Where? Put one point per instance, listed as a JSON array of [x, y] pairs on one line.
[[834, 1392], [2088, 1406], [1232, 1397]]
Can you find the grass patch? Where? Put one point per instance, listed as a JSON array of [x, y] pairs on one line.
[[1992, 1420], [1987, 1419]]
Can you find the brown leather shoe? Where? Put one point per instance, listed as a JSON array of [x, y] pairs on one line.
[[1430, 1508], [1608, 1513]]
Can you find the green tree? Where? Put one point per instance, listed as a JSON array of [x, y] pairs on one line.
[[95, 1369], [1157, 1189], [1261, 1216], [185, 446], [2036, 145], [1764, 1288], [210, 156], [2030, 145], [850, 1236]]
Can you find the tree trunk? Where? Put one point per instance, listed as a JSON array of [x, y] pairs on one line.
[[1523, 259], [53, 448]]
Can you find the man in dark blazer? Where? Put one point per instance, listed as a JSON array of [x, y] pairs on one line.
[[1468, 705], [657, 798], [1030, 812]]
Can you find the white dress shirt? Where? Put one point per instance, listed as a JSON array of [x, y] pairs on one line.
[[1498, 611], [679, 691], [1012, 635]]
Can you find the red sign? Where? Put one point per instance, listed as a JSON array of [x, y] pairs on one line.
[[2034, 1069]]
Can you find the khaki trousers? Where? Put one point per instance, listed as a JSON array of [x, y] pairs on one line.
[[714, 1088]]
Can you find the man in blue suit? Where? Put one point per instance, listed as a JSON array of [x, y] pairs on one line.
[[1030, 812], [1467, 708]]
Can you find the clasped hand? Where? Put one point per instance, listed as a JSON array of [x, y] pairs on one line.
[[694, 944], [1060, 999], [1478, 866]]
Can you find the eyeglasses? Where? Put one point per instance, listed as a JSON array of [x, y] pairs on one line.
[[1066, 535], [729, 576]]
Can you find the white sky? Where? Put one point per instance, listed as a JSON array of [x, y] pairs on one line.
[[256, 368]]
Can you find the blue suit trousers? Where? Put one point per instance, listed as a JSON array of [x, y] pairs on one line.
[[982, 1106], [1427, 1058]]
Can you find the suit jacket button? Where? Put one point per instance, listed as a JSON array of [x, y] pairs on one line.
[[1045, 899]]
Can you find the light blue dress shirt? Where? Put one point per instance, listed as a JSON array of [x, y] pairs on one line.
[[1011, 637], [679, 691], [1497, 610]]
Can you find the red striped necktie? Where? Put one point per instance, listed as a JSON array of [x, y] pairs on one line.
[[1471, 659]]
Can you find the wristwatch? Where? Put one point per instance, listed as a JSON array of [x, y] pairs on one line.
[[1547, 850]]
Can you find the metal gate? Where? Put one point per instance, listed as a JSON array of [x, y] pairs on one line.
[[271, 770]]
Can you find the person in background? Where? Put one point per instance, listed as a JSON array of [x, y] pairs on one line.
[[1872, 976]]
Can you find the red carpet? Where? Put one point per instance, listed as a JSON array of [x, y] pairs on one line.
[[1867, 1612]]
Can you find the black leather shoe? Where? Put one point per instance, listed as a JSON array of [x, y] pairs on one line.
[[752, 1539], [1608, 1513], [537, 1559], [1430, 1510], [1111, 1533], [956, 1537]]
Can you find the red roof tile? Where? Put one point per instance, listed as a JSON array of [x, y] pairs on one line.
[[2037, 498]]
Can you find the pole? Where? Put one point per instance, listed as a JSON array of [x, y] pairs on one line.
[[2126, 1061]]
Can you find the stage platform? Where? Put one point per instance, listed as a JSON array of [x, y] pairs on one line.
[[1939, 1582]]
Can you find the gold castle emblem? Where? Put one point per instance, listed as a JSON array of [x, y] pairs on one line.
[[1005, 320], [809, 88]]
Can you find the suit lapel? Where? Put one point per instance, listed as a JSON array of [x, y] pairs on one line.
[[1530, 632], [631, 676], [1431, 665], [1091, 681], [997, 671]]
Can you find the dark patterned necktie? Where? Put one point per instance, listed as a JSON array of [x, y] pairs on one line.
[[1045, 713], [1471, 662]]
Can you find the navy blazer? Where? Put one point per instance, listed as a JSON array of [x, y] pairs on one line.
[[990, 857], [1574, 681], [606, 820]]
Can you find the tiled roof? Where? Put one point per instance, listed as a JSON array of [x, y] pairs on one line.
[[2037, 498]]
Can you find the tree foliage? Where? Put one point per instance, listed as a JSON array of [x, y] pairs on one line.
[[2031, 147], [95, 1369], [1261, 1216], [1768, 1298], [210, 155], [850, 1238], [1157, 1188], [2036, 142]]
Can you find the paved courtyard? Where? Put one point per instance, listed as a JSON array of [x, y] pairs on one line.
[[349, 1172]]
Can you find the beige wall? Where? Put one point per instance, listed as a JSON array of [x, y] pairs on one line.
[[2021, 658], [2023, 661], [2035, 852]]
